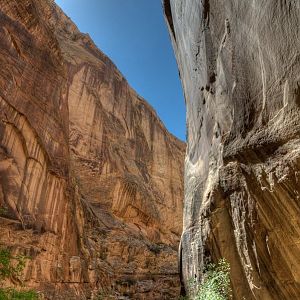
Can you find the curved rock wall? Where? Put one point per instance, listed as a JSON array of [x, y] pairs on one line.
[[239, 65], [91, 182]]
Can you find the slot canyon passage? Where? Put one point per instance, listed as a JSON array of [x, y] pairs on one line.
[[91, 182]]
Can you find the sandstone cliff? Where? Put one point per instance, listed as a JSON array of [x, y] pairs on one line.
[[239, 62], [90, 180]]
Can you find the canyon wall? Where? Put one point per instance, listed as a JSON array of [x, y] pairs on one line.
[[91, 182], [239, 63]]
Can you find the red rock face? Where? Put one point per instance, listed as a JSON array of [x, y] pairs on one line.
[[90, 179]]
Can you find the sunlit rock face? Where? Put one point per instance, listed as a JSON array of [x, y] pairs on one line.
[[239, 62], [91, 182]]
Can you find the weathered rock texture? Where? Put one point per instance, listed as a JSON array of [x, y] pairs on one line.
[[90, 180], [239, 62]]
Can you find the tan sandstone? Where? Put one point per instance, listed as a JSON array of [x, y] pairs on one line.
[[91, 180]]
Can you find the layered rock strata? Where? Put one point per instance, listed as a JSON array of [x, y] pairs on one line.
[[239, 63], [90, 179]]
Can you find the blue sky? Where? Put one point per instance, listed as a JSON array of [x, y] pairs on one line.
[[134, 35]]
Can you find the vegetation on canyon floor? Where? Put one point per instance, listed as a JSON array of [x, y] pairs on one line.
[[11, 268], [13, 294], [215, 284]]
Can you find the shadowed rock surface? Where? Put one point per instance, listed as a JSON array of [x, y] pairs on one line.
[[91, 182], [239, 62]]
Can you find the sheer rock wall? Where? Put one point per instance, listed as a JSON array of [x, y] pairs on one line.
[[239, 65], [91, 182]]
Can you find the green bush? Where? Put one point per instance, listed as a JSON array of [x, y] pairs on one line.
[[11, 267], [215, 284], [13, 294]]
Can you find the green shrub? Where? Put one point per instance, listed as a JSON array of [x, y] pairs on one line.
[[13, 294], [11, 267], [215, 284]]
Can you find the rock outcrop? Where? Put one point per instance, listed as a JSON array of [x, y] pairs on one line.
[[91, 182], [239, 62]]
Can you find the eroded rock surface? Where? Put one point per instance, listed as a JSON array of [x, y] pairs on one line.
[[91, 182], [239, 62]]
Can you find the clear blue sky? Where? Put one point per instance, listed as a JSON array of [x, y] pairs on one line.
[[134, 35]]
